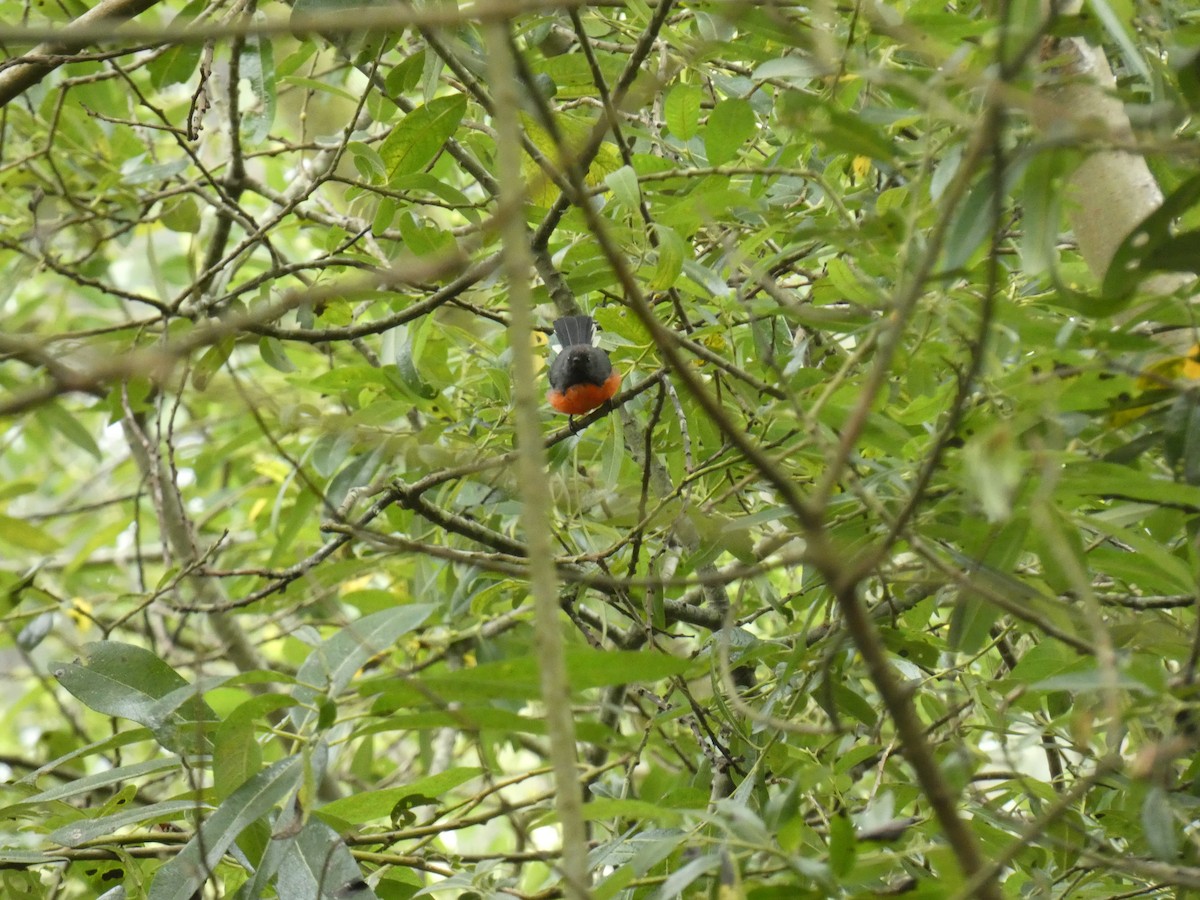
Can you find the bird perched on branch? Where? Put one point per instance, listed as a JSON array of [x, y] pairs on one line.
[[581, 376]]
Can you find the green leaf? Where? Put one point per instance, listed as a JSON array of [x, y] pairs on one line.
[[139, 171], [295, 517], [350, 378], [519, 678], [681, 109], [406, 341], [1181, 436], [671, 251], [798, 70], [1158, 823], [211, 360], [422, 238], [421, 135], [1043, 661], [177, 63], [318, 864], [604, 808], [1156, 245], [129, 682], [1092, 680], [26, 536], [970, 621], [235, 743], [257, 66], [424, 181], [843, 845], [274, 355], [188, 870], [685, 875], [1097, 479], [93, 829], [1041, 213], [1115, 23], [1060, 549], [314, 84], [332, 665], [844, 132], [368, 162], [367, 806], [624, 185], [53, 416], [972, 226], [406, 75], [849, 284], [87, 784], [730, 125], [181, 215]]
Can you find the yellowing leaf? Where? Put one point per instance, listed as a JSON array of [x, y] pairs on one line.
[[1158, 376], [26, 536], [575, 132]]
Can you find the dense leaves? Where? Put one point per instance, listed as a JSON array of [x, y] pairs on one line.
[[880, 576]]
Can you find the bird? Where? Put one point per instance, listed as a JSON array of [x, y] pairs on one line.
[[582, 376]]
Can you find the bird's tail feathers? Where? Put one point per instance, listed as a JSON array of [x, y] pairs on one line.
[[572, 330]]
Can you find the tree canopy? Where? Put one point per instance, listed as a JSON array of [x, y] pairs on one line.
[[879, 574]]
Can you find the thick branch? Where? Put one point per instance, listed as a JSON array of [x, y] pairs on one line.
[[22, 75]]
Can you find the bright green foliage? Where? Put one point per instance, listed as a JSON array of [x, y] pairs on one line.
[[267, 629]]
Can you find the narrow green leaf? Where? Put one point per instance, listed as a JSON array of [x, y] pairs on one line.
[[26, 536], [318, 864], [683, 876], [671, 252], [35, 631], [235, 744], [1155, 245], [1116, 24], [331, 450], [368, 162], [1091, 680], [1158, 823], [257, 65], [334, 663], [108, 777], [367, 806], [296, 517], [93, 829], [408, 340], [798, 70], [586, 668], [183, 876], [1040, 213], [179, 61], [970, 621], [602, 808], [210, 362], [314, 84], [1060, 548], [843, 846]]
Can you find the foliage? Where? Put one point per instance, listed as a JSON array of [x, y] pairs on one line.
[[881, 576]]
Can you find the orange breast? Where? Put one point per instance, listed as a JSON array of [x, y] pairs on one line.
[[581, 398]]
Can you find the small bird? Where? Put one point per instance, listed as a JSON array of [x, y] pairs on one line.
[[581, 377]]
